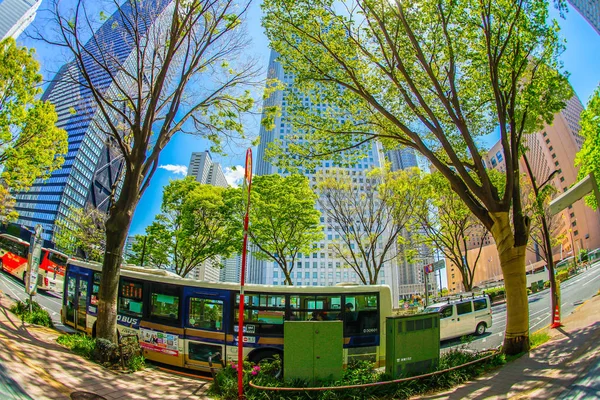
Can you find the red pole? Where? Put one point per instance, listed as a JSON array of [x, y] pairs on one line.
[[240, 361]]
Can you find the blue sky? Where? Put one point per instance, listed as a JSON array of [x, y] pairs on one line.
[[581, 59]]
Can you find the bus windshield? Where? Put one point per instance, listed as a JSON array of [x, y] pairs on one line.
[[58, 259]]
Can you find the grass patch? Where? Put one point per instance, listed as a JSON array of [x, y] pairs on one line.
[[78, 343], [225, 383], [37, 316], [538, 339]]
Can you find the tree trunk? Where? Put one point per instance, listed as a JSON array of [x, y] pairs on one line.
[[117, 227], [512, 261], [554, 300]]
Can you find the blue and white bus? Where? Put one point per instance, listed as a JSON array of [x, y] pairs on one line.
[[182, 322]]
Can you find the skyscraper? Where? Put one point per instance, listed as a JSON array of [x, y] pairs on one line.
[[93, 162], [15, 16], [402, 158], [590, 10], [208, 172], [321, 267], [205, 170]]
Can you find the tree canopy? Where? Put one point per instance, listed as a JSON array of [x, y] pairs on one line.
[[434, 76], [368, 217], [283, 220], [194, 227], [82, 233], [31, 146], [588, 158]]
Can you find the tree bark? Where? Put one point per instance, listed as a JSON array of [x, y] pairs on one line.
[[512, 261], [117, 227]]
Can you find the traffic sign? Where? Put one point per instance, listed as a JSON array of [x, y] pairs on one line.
[[439, 265]]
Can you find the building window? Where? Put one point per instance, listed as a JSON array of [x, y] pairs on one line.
[[550, 148], [556, 163], [574, 223], [576, 233], [547, 141], [562, 178], [545, 134], [553, 155], [572, 215]]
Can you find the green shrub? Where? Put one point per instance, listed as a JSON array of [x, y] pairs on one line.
[[562, 275], [546, 284], [78, 343], [225, 382], [39, 316], [137, 363]]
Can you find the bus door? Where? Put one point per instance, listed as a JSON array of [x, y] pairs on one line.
[[204, 330], [77, 298]]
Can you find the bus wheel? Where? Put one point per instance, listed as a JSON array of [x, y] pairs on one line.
[[269, 356], [480, 328]]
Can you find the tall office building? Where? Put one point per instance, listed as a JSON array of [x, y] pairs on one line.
[[553, 148], [590, 10], [15, 16], [321, 267], [207, 172], [93, 162], [411, 278]]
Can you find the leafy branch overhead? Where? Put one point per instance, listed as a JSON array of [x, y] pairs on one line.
[[435, 76], [31, 146]]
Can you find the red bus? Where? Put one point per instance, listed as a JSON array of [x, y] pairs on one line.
[[13, 259]]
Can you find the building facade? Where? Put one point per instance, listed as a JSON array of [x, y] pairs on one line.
[[93, 162], [551, 149], [590, 10], [15, 16], [321, 267], [207, 172]]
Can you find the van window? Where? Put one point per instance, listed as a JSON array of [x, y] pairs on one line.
[[463, 308], [480, 304], [446, 312]]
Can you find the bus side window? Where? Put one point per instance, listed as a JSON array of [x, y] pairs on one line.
[[95, 288], [164, 302], [131, 297], [206, 314]]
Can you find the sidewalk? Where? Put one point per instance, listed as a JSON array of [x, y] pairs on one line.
[[564, 365], [35, 364]]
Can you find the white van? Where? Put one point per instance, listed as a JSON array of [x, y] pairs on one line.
[[463, 317]]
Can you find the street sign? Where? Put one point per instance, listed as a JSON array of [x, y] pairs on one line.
[[33, 261], [439, 265], [428, 268]]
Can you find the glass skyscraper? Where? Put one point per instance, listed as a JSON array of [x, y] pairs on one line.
[[15, 16], [93, 161], [321, 267]]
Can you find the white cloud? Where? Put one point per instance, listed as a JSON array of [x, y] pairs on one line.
[[234, 175], [176, 169]]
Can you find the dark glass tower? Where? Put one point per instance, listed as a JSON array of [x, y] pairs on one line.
[[93, 161]]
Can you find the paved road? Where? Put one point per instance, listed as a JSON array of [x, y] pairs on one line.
[[573, 292], [50, 301]]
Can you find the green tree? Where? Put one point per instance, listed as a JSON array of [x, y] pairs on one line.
[[194, 227], [588, 158], [443, 221], [82, 233], [434, 76], [31, 146], [283, 219], [186, 73], [151, 249], [368, 220]]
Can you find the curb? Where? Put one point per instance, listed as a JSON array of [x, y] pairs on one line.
[[572, 312]]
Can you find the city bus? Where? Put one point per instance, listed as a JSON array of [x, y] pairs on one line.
[[13, 259], [183, 322]]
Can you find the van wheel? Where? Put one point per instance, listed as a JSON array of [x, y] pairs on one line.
[[480, 329], [269, 356]]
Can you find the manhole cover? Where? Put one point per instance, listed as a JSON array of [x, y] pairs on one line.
[[86, 396]]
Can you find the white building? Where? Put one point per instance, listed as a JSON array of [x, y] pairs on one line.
[[208, 172], [15, 16], [205, 170], [320, 267]]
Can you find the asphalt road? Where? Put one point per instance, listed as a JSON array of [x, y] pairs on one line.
[[573, 292], [50, 301]]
